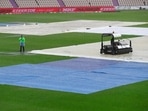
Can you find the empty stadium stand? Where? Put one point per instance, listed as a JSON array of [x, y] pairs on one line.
[[101, 3], [132, 2], [5, 4], [48, 3], [69, 3], [26, 3]]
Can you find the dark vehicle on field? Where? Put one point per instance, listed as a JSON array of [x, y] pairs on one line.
[[119, 46]]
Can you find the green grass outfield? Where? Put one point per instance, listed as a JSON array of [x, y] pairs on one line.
[[131, 97]]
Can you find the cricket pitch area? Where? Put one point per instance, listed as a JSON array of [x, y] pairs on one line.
[[91, 71], [139, 44]]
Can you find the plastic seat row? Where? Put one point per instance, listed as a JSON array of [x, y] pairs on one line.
[[26, 3], [132, 2], [69, 3], [5, 4], [48, 3]]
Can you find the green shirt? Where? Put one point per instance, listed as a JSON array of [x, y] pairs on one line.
[[22, 39]]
